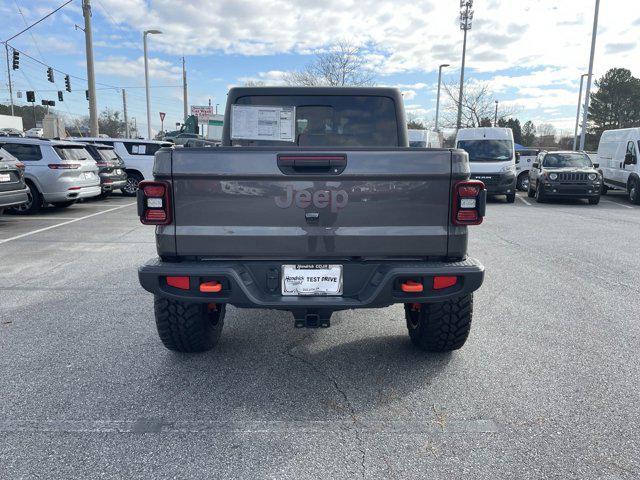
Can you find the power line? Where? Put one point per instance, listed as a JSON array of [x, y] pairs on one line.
[[36, 23]]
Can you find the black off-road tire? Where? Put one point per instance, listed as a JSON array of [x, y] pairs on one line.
[[604, 189], [540, 196], [594, 200], [440, 327], [188, 327], [511, 197]]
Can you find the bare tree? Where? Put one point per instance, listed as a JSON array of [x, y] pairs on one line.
[[341, 66], [478, 105]]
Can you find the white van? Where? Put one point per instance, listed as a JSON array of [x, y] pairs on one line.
[[138, 156], [526, 157], [492, 158], [618, 160], [424, 138]]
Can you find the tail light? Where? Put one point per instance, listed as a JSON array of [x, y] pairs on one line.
[[64, 166], [20, 166], [154, 203], [469, 202]]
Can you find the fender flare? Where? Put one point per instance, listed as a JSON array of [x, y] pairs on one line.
[[632, 177]]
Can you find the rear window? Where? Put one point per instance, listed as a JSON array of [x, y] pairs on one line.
[[107, 154], [72, 153], [333, 121], [141, 148], [23, 152]]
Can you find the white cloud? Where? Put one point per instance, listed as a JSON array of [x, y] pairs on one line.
[[124, 67]]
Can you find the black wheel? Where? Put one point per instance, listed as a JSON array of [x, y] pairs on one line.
[[634, 191], [511, 197], [523, 182], [34, 202], [594, 201], [530, 192], [440, 327], [103, 195], [540, 197], [188, 327], [63, 204], [131, 187], [604, 189]]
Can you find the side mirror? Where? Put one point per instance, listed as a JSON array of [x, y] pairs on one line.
[[517, 157], [596, 165], [535, 165]]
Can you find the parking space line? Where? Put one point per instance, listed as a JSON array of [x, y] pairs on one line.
[[616, 203], [33, 232], [27, 217], [525, 201]]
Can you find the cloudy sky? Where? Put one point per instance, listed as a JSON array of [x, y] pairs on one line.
[[530, 52]]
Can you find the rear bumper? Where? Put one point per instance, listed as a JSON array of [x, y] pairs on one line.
[[366, 284], [13, 197]]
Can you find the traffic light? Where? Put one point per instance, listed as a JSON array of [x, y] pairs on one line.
[[50, 74], [16, 59], [60, 96], [67, 83], [86, 94], [31, 96]]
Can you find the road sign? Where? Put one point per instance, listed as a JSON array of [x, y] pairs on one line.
[[202, 112], [162, 115]]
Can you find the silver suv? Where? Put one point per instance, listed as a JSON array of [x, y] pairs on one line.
[[57, 172]]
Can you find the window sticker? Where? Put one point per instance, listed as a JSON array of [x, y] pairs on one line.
[[253, 122]]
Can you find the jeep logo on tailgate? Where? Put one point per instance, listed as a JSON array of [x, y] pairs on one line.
[[334, 199]]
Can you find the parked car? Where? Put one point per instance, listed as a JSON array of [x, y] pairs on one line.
[[618, 159], [10, 132], [294, 232], [492, 158], [57, 172], [424, 138], [111, 168], [13, 190], [182, 138], [34, 132], [525, 159], [564, 174], [138, 156]]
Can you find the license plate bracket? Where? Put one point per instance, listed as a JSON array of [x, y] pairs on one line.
[[312, 280]]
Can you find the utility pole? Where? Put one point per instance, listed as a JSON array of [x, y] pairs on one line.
[[146, 77], [126, 116], [575, 131], [6, 48], [495, 116], [590, 74], [438, 97], [184, 89], [88, 37], [466, 17]]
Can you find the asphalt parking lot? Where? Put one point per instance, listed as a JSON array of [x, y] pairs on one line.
[[546, 386]]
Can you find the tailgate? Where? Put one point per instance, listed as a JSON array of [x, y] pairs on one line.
[[266, 202]]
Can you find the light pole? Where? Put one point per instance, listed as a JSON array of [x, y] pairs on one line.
[[438, 97], [495, 116], [146, 77], [91, 77], [575, 131], [590, 74], [466, 17]]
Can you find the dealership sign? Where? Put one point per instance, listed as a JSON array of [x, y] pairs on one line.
[[202, 112]]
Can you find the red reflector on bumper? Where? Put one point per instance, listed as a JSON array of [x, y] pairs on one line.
[[444, 282], [411, 286], [211, 287], [178, 282]]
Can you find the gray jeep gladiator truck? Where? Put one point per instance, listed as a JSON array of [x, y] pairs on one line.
[[313, 203]]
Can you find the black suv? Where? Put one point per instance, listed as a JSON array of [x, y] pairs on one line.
[[111, 167], [564, 175]]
